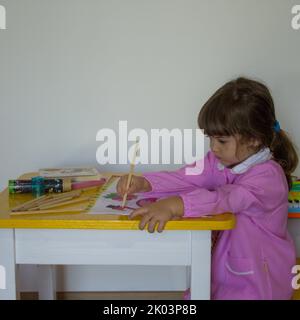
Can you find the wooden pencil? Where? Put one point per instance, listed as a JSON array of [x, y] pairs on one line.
[[62, 198], [50, 201], [65, 203], [46, 199], [53, 202], [29, 212], [28, 203], [130, 173], [66, 194]]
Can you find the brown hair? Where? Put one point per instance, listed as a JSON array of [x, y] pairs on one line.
[[245, 107]]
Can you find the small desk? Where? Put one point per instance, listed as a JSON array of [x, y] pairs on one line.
[[84, 239]]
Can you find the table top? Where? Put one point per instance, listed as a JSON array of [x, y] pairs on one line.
[[83, 220]]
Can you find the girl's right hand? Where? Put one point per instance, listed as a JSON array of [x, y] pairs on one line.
[[137, 184]]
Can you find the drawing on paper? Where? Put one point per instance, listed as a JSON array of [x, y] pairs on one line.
[[110, 202], [115, 196]]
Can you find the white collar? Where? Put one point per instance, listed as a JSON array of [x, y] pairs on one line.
[[259, 157]]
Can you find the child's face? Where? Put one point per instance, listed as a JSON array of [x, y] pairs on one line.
[[229, 151]]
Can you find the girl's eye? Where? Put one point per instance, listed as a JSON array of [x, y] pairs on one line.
[[222, 141]]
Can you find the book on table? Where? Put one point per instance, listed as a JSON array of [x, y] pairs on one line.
[[77, 174]]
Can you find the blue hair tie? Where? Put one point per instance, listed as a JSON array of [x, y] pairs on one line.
[[276, 126]]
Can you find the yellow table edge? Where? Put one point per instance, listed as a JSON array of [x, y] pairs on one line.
[[122, 223], [224, 221]]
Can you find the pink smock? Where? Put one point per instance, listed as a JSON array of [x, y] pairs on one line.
[[255, 259]]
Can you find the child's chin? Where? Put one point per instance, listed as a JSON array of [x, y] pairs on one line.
[[227, 164]]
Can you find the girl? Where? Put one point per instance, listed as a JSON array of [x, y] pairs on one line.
[[247, 172]]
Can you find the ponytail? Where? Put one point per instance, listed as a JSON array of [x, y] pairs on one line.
[[285, 154]]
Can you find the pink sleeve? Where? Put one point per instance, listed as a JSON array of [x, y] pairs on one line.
[[183, 180], [254, 195]]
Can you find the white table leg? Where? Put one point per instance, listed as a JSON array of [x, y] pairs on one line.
[[7, 265], [47, 282], [18, 286], [201, 265], [294, 230], [188, 276]]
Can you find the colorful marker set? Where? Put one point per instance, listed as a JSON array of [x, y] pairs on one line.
[[294, 197], [38, 186]]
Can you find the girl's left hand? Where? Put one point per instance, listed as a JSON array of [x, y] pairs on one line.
[[159, 213]]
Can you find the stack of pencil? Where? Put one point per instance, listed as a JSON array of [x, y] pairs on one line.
[[46, 203]]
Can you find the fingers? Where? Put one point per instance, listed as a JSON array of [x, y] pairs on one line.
[[132, 188], [161, 226], [141, 212], [147, 219], [152, 224], [121, 185], [138, 212]]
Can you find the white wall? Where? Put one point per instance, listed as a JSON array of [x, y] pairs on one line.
[[69, 68]]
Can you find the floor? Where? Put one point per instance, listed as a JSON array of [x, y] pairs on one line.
[[177, 295], [119, 295], [296, 295]]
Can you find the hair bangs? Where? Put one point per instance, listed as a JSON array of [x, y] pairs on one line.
[[216, 120]]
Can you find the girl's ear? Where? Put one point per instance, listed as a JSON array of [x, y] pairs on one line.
[[254, 143]]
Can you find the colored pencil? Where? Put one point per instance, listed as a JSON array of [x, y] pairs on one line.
[[130, 173], [47, 200], [28, 212], [65, 203]]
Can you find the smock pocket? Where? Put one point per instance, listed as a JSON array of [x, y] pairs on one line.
[[239, 266], [239, 278]]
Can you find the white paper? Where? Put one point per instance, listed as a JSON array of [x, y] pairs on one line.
[[109, 202]]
